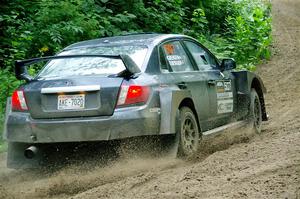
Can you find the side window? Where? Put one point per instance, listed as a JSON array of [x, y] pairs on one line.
[[203, 59], [175, 57]]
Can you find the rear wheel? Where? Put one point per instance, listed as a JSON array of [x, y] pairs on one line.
[[255, 111], [188, 133]]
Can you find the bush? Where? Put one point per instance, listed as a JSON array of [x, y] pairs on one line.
[[251, 32]]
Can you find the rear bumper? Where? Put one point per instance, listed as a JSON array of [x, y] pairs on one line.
[[125, 122]]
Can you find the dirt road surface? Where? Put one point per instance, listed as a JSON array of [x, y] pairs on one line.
[[255, 166]]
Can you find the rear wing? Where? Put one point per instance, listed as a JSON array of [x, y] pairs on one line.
[[21, 71]]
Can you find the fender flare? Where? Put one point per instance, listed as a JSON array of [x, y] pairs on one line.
[[170, 100], [254, 77], [244, 80]]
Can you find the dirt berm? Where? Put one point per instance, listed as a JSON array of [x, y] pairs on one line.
[[249, 166]]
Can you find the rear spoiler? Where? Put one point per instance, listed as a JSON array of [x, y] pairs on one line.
[[21, 71]]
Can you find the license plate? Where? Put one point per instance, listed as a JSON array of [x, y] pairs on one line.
[[68, 102]]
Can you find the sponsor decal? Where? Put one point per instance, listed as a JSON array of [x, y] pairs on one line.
[[175, 60], [225, 106], [173, 57], [176, 63], [224, 97], [220, 87], [220, 84]]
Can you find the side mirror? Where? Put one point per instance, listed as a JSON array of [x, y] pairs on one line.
[[228, 64], [21, 72]]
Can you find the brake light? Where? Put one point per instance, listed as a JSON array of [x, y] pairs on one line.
[[133, 94], [18, 101]]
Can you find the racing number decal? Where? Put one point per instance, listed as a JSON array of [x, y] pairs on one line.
[[169, 49], [227, 85], [224, 96]]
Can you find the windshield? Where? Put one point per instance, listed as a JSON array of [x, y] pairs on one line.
[[92, 65]]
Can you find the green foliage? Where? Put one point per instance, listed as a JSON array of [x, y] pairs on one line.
[[217, 11], [8, 83], [251, 32], [239, 29], [199, 24]]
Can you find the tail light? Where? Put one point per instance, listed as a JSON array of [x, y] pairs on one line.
[[133, 94], [18, 101]]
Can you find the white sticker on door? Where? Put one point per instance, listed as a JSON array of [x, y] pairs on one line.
[[224, 96], [227, 86], [225, 106], [175, 60]]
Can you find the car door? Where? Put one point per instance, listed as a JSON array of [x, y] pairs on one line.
[[221, 88], [175, 62]]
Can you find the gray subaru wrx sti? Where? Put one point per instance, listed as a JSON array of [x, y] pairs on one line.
[[125, 86]]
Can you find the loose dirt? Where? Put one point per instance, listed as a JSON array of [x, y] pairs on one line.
[[249, 166]]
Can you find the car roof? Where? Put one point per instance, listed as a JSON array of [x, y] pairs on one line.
[[147, 39]]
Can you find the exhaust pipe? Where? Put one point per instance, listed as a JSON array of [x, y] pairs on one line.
[[31, 152]]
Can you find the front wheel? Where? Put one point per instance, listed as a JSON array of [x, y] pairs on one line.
[[255, 111], [188, 133]]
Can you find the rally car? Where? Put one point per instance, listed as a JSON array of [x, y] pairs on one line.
[[125, 86]]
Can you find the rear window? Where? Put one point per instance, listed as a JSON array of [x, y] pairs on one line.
[[92, 65]]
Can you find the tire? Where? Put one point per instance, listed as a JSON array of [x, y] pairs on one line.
[[187, 133], [255, 111]]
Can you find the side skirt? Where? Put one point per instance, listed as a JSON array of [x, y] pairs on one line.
[[231, 126]]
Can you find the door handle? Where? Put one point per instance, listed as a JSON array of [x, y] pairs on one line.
[[182, 85], [211, 82]]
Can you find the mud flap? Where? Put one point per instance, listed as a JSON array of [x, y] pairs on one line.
[[16, 158], [243, 100], [175, 145]]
